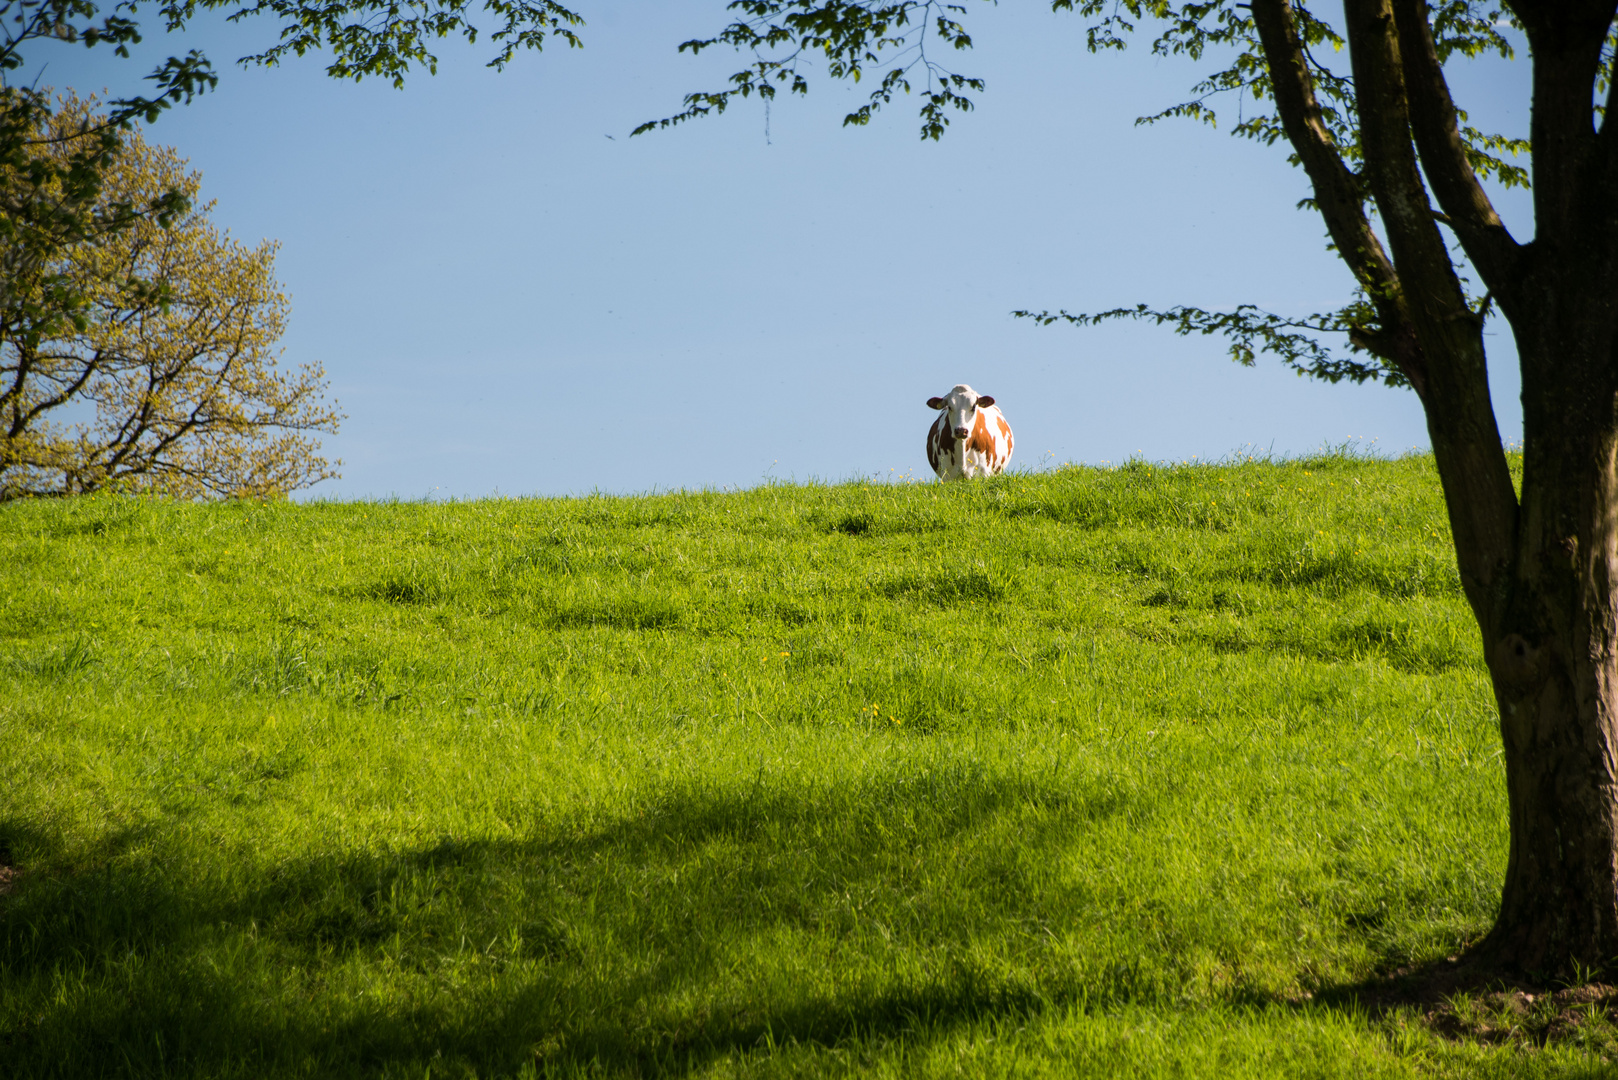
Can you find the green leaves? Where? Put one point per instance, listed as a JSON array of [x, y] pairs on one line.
[[1251, 330], [387, 39], [55, 162], [850, 37], [1470, 29], [1484, 162], [140, 355]]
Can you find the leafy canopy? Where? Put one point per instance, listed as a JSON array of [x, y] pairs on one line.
[[74, 214], [173, 388]]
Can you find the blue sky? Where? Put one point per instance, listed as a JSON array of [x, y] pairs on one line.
[[510, 295]]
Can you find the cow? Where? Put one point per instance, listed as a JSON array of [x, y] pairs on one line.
[[969, 438]]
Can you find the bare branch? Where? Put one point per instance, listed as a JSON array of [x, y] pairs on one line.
[[1433, 122]]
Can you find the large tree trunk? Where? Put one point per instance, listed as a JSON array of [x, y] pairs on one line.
[[1555, 671], [1550, 631]]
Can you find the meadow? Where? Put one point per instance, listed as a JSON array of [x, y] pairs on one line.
[[1134, 771]]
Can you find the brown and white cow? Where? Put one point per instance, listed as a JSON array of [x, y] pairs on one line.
[[969, 438]]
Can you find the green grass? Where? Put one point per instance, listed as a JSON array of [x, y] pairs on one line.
[[1099, 772]]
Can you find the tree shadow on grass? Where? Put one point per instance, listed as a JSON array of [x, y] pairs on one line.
[[1464, 999], [649, 944]]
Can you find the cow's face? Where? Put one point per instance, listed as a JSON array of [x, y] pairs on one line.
[[961, 408]]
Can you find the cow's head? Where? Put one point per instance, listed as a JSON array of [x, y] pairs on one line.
[[960, 407]]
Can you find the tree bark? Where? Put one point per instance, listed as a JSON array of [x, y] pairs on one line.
[[1552, 650], [1460, 415], [1552, 665]]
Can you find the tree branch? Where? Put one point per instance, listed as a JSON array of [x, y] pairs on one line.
[[1250, 330], [1390, 159], [1567, 38], [1460, 415], [1338, 194], [1443, 154]]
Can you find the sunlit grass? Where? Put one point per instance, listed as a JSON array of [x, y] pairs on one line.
[[1117, 771]]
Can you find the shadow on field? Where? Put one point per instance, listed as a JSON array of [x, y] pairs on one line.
[[705, 922], [1465, 1000]]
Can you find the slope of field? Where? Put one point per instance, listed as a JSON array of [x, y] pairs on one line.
[[1136, 771]]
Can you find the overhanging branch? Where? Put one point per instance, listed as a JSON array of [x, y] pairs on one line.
[[1251, 330]]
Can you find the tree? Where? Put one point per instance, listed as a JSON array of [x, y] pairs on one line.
[[51, 200], [59, 206], [161, 374], [1379, 143]]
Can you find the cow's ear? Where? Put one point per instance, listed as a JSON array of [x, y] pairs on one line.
[[935, 403], [985, 401]]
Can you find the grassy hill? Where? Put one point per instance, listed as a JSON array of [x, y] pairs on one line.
[[1135, 771]]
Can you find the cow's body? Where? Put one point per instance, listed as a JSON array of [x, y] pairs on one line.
[[970, 436]]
